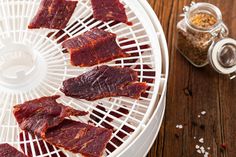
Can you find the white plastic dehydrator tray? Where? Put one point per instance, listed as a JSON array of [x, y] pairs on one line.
[[32, 65]]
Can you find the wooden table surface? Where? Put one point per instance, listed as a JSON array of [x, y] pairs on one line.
[[191, 91]]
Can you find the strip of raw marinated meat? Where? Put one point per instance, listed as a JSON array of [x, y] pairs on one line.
[[53, 14], [93, 47], [36, 116], [134, 90], [107, 10], [8, 151], [79, 137], [104, 81]]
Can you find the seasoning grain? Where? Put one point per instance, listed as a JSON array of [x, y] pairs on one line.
[[203, 20]]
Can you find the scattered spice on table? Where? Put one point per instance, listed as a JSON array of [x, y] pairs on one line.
[[200, 146], [203, 113], [188, 92], [200, 149], [201, 140], [223, 145], [197, 146], [202, 126], [179, 126]]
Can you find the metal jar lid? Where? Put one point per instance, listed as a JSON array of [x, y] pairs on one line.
[[222, 56]]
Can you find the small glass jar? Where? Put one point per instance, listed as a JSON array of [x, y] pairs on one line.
[[203, 31]]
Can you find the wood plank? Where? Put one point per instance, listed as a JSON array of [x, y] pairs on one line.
[[192, 90]]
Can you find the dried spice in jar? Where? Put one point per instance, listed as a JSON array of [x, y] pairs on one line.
[[203, 20], [195, 32], [202, 39]]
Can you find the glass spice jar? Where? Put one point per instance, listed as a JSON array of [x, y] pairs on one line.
[[202, 38]]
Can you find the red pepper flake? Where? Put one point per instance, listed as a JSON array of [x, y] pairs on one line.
[[223, 145]]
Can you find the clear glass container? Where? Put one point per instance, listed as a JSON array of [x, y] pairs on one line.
[[193, 40], [202, 31]]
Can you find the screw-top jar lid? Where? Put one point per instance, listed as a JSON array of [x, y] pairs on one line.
[[222, 56]]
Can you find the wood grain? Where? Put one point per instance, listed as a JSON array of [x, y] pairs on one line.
[[192, 90]]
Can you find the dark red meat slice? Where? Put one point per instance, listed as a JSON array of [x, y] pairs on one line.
[[134, 90], [46, 118], [116, 114], [93, 47], [38, 145], [107, 10], [79, 138], [8, 151], [104, 81], [53, 14], [36, 116]]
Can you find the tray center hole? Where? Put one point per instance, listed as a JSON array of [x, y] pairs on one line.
[[17, 63]]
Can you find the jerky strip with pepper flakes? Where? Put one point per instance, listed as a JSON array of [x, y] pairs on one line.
[[36, 116], [53, 14], [8, 151], [107, 10], [80, 138], [104, 81], [93, 47]]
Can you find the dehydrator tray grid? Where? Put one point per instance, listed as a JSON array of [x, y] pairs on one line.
[[51, 66]]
